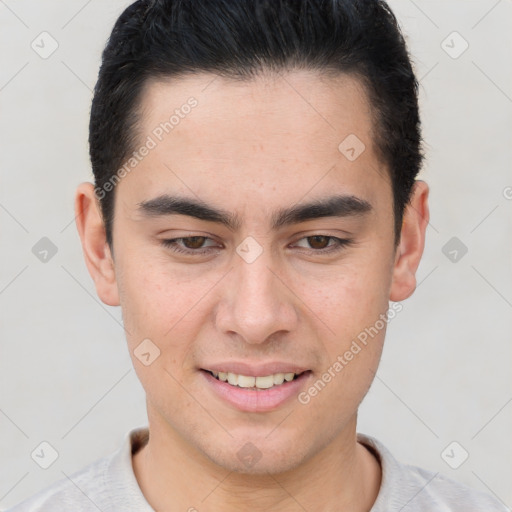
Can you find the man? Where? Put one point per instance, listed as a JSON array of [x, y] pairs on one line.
[[255, 210]]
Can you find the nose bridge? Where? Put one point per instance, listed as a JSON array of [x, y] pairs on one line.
[[256, 283], [257, 304]]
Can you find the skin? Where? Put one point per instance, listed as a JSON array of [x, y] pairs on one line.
[[252, 148]]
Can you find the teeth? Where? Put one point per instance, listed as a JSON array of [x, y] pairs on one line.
[[279, 378], [244, 381], [265, 382]]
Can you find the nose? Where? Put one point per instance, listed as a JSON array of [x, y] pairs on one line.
[[256, 303]]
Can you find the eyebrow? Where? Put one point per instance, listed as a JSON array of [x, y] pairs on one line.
[[332, 206]]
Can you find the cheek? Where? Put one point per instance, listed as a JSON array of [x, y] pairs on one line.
[[353, 304], [348, 371], [143, 297], [348, 298], [160, 308], [151, 293], [167, 305]]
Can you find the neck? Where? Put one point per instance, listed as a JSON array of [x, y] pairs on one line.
[[174, 476]]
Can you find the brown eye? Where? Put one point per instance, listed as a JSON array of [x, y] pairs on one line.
[[194, 242], [323, 244], [318, 241], [191, 245]]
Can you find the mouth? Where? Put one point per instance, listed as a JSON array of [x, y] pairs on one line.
[[255, 383], [258, 393]]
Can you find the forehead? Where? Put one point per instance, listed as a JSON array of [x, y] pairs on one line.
[[296, 133], [298, 103]]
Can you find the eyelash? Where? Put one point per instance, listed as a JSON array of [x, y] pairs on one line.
[[340, 244]]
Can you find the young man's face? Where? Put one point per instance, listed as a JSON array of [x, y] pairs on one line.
[[268, 294]]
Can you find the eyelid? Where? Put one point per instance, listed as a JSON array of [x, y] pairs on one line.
[[337, 240], [173, 242], [338, 245]]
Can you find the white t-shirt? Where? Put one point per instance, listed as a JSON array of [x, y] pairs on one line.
[[109, 485]]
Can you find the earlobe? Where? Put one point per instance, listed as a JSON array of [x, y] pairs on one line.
[[96, 251], [412, 243]]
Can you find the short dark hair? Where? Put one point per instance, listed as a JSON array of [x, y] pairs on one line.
[[240, 39]]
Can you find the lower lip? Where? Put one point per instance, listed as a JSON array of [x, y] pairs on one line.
[[250, 400]]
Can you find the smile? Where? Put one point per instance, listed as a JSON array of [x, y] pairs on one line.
[[254, 383], [256, 393]]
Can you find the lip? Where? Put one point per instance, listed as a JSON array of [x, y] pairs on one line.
[[250, 400], [255, 370]]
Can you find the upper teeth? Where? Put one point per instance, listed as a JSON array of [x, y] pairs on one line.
[[245, 381]]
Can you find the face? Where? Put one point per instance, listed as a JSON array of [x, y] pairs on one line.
[[254, 238]]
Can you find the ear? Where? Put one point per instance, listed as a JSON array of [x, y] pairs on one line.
[[412, 243], [91, 229]]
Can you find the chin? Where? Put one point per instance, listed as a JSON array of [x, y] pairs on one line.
[[248, 456]]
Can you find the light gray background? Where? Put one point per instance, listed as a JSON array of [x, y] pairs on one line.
[[65, 373]]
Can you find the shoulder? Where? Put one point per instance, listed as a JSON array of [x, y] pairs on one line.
[[108, 484], [77, 492], [410, 488]]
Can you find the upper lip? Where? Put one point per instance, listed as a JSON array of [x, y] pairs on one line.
[[255, 370]]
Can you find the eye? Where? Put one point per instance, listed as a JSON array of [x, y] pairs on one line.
[[190, 244], [323, 243], [197, 245]]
